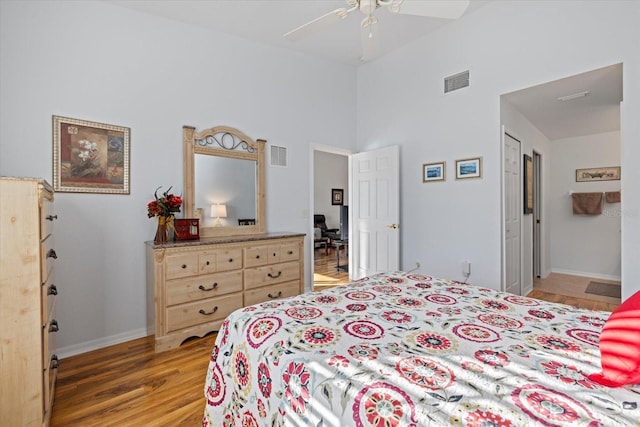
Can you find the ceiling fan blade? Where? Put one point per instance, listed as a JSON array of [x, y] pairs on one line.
[[318, 23], [449, 9]]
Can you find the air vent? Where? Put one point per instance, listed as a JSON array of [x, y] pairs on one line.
[[278, 156], [457, 81]]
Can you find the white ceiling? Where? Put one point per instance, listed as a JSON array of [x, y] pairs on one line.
[[265, 21]]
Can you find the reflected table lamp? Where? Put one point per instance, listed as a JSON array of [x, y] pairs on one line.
[[218, 211]]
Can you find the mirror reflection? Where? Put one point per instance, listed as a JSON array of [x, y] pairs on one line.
[[225, 190]]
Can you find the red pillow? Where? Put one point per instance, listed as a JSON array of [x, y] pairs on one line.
[[620, 346]]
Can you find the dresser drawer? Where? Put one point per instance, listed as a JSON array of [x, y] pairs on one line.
[[255, 256], [229, 259], [271, 274], [48, 256], [270, 293], [203, 286], [49, 292], [47, 217], [181, 265], [205, 311], [284, 252]]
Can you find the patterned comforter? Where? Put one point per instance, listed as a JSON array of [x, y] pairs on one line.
[[400, 349]]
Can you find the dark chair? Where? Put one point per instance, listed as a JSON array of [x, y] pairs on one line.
[[319, 221]]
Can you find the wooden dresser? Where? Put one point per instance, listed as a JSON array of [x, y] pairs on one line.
[[27, 302], [192, 286]]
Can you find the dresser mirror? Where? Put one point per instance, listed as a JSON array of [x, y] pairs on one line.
[[224, 181]]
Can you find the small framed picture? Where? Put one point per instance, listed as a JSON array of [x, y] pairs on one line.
[[90, 157], [337, 195], [611, 173], [528, 184], [469, 168], [433, 172]]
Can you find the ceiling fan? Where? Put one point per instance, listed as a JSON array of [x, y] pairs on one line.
[[448, 9]]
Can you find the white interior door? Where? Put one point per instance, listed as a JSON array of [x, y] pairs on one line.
[[375, 212], [512, 215]]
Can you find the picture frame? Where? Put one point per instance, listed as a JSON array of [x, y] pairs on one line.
[[469, 168], [90, 157], [337, 196], [433, 172], [610, 173], [528, 183]]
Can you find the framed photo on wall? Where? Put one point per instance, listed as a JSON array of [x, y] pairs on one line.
[[433, 172], [90, 157], [611, 173], [337, 195], [469, 168], [528, 184]]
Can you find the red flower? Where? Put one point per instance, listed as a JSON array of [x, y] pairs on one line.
[[164, 206]]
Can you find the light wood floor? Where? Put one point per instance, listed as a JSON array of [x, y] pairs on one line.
[[324, 268], [128, 384]]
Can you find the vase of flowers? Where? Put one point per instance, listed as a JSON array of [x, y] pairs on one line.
[[164, 208]]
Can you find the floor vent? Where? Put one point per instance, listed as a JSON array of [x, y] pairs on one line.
[[457, 81], [278, 156]]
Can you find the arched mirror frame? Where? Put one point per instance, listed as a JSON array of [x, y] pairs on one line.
[[243, 148]]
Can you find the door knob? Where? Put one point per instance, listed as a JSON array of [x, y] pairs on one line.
[[394, 226]]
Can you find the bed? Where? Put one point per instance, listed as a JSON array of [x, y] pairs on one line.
[[402, 349]]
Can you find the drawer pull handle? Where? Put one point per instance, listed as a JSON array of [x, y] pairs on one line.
[[274, 254], [290, 252], [51, 217], [214, 286], [201, 311], [55, 363], [257, 256], [184, 265], [52, 254], [275, 276], [52, 290], [275, 296], [208, 263], [53, 326], [230, 259]]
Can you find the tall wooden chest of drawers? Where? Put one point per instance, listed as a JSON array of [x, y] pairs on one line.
[[27, 302], [192, 286]]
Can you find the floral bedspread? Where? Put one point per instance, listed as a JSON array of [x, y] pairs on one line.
[[400, 349]]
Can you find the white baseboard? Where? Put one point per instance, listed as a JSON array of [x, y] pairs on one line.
[[587, 274], [87, 346]]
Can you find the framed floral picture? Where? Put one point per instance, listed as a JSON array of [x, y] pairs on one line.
[[90, 157]]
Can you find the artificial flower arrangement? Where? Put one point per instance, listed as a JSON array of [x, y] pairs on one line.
[[164, 208]]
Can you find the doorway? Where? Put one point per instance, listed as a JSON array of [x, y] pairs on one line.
[[512, 202]]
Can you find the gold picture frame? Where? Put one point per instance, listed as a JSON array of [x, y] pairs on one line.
[[528, 184], [610, 173], [433, 171], [469, 168], [90, 157]]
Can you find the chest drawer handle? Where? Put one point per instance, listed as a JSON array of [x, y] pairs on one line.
[[274, 254], [201, 311], [275, 276], [214, 286], [52, 254], [257, 256], [52, 290], [54, 362], [290, 252], [208, 263], [51, 217], [184, 265], [53, 326], [230, 259], [275, 296]]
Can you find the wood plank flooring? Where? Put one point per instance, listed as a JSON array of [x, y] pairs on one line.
[[130, 385]]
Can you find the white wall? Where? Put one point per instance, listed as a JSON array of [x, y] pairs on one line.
[[506, 45], [95, 61], [331, 171], [584, 244]]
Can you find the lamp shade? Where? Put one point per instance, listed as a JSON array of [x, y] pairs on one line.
[[218, 211]]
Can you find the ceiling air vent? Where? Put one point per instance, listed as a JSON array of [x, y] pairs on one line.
[[457, 81], [278, 156]]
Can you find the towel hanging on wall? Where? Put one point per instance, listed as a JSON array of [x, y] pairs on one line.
[[612, 196], [587, 203]]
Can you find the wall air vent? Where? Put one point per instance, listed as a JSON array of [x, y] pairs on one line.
[[457, 81], [278, 156]]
